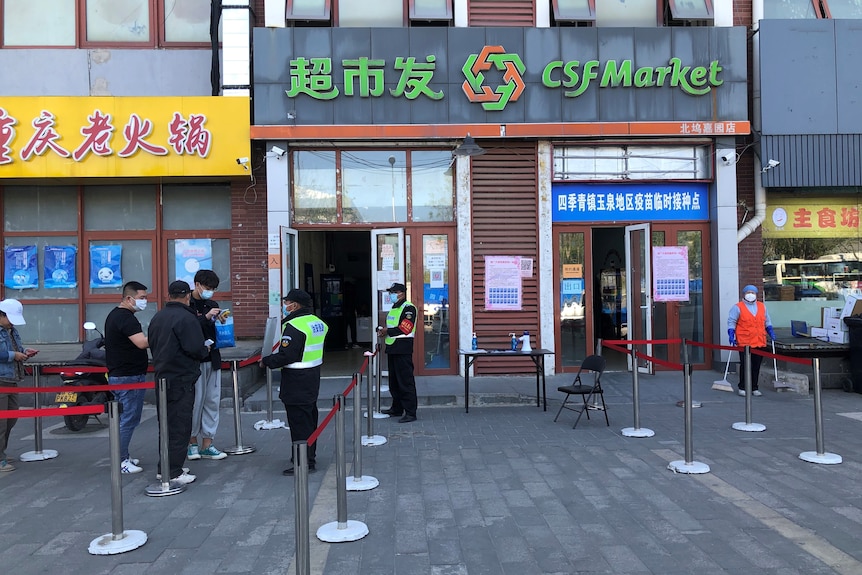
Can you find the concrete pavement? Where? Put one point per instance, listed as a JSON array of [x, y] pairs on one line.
[[501, 490]]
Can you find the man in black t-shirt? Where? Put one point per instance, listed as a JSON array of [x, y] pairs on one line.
[[126, 355]]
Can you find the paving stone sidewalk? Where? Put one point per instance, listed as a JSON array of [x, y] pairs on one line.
[[501, 490]]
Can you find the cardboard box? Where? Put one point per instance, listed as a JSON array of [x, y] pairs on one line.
[[818, 332], [838, 336], [852, 306], [831, 313], [835, 324]]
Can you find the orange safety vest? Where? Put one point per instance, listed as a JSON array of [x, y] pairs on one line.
[[751, 329]]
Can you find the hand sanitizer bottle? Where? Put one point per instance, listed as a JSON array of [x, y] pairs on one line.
[[514, 341], [475, 344]]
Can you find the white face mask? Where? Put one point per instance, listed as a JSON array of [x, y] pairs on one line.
[[207, 294], [750, 297], [140, 304]]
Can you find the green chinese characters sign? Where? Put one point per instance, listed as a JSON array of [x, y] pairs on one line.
[[364, 77]]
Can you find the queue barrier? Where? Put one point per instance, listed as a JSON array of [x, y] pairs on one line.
[[628, 347], [119, 540]]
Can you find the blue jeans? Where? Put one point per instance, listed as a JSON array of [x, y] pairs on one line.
[[132, 402]]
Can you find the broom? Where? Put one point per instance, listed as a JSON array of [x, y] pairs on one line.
[[723, 384]]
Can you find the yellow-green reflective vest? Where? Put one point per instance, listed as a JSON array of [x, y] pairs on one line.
[[315, 332], [392, 319]]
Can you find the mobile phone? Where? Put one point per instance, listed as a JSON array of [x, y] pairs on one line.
[[224, 313], [30, 352], [208, 342]]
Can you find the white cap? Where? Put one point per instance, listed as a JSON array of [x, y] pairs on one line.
[[13, 310]]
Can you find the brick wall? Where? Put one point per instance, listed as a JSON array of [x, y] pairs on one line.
[[249, 278]]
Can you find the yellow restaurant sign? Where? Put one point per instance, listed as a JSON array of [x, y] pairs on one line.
[[795, 217], [57, 137]]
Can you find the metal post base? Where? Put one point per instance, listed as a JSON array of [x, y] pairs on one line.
[[384, 388], [240, 449], [824, 458], [742, 426], [681, 403], [637, 432], [364, 483], [274, 424], [373, 440], [38, 455], [162, 489], [350, 531], [375, 415], [695, 467], [107, 545]]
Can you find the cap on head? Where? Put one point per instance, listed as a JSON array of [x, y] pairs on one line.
[[179, 288], [749, 288], [13, 310], [397, 287], [298, 296]]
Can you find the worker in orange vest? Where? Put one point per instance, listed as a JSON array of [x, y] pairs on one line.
[[748, 324]]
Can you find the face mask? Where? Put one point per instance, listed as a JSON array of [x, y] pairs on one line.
[[285, 310], [750, 297], [140, 304], [207, 294], [393, 297]]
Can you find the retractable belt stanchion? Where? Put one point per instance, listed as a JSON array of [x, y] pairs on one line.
[[370, 438], [343, 529], [119, 540], [269, 422], [689, 465], [239, 448], [378, 381], [747, 425], [637, 430], [39, 454], [165, 486], [819, 456], [300, 496], [357, 481]]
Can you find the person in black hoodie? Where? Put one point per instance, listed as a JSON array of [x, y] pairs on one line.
[[177, 344], [208, 386]]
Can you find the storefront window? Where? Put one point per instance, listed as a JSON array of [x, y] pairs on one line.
[[812, 254], [573, 304], [44, 23], [136, 263], [118, 21], [431, 185], [314, 190], [220, 263], [356, 14], [196, 207], [625, 163], [120, 207], [435, 301], [40, 209], [635, 13], [188, 21], [788, 9], [373, 186]]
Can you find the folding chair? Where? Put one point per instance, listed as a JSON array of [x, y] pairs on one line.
[[595, 364]]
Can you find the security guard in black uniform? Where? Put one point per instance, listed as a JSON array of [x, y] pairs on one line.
[[398, 336]]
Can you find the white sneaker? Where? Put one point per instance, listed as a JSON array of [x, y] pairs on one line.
[[756, 393], [135, 460], [185, 470], [741, 392], [127, 466], [185, 478]]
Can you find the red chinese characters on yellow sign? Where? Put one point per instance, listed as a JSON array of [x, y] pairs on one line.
[[824, 217], [122, 136]]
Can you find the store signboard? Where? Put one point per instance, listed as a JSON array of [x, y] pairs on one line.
[[661, 201], [811, 217], [54, 137]]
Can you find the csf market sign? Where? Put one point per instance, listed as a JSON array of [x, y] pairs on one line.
[[493, 77]]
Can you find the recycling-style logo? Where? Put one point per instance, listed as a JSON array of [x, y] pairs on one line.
[[497, 98]]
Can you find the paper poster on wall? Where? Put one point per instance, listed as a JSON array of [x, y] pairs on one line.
[[21, 269], [60, 268], [503, 283], [191, 256], [670, 273], [105, 271]]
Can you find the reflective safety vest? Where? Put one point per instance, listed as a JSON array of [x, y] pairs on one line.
[[751, 329], [392, 320], [315, 332]]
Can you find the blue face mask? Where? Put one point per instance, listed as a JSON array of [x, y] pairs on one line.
[[284, 310], [393, 297], [207, 293]]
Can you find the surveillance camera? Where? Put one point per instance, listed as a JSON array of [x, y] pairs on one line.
[[242, 161], [772, 163], [279, 152], [725, 159]]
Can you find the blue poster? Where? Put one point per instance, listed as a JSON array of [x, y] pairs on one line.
[[105, 269], [191, 256], [59, 264], [22, 271], [653, 202]]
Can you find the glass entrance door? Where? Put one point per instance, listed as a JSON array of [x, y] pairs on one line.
[[638, 291], [573, 299], [387, 256]]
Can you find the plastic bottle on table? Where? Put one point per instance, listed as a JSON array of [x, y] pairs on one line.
[[514, 341], [475, 344]]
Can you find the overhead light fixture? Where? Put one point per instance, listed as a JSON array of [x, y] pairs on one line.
[[468, 148]]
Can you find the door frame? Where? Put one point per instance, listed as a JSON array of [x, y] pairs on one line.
[[639, 313]]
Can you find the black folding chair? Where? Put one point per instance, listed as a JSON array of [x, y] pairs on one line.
[[595, 364]]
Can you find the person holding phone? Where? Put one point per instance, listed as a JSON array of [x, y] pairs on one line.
[[13, 354]]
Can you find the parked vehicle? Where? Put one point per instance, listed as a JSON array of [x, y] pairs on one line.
[[92, 354]]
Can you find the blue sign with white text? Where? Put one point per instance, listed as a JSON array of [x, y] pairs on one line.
[[660, 201]]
